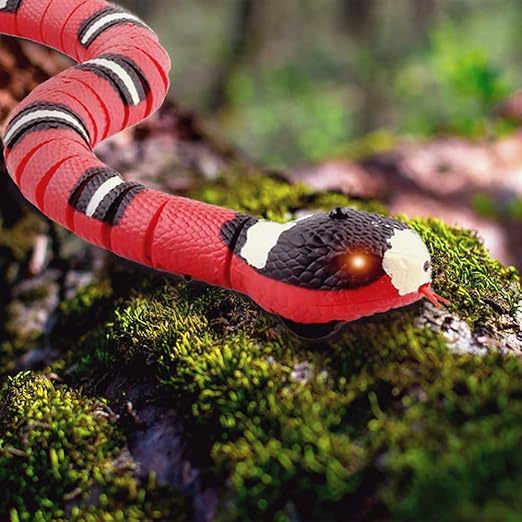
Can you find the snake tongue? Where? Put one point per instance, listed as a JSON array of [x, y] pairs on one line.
[[433, 297]]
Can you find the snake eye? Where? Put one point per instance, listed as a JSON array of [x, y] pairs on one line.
[[357, 268], [426, 266]]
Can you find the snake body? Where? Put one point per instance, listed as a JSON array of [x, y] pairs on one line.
[[321, 270]]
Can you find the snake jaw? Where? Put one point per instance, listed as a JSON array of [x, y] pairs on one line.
[[433, 297]]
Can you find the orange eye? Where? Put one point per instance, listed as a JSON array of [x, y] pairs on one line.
[[358, 268], [357, 262]]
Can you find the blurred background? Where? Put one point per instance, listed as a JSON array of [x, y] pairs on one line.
[[296, 81]]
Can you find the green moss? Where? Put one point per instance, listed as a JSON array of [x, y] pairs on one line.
[[58, 452], [7, 358], [83, 312], [35, 293], [383, 422], [19, 239], [271, 197], [310, 442], [370, 144], [462, 460], [484, 206], [514, 209], [477, 285], [86, 298], [79, 319], [239, 390], [15, 245]]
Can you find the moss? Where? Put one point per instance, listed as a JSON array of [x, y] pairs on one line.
[[34, 293], [273, 198], [84, 311], [316, 443], [370, 144], [236, 387], [461, 462], [481, 289], [7, 358], [28, 313], [383, 422], [60, 458], [514, 209], [81, 319], [485, 206], [16, 244], [19, 239]]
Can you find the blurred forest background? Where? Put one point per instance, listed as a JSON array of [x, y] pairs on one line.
[[296, 81]]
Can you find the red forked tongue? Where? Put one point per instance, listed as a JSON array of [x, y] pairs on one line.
[[434, 298]]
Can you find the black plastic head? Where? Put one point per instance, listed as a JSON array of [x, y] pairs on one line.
[[337, 250]]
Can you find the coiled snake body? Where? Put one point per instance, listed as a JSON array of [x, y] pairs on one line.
[[315, 273]]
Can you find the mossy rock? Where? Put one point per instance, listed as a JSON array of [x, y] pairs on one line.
[[61, 458], [393, 419]]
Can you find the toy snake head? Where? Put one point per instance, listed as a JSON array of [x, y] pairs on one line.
[[332, 267]]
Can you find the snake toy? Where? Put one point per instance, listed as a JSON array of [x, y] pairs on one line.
[[316, 273]]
